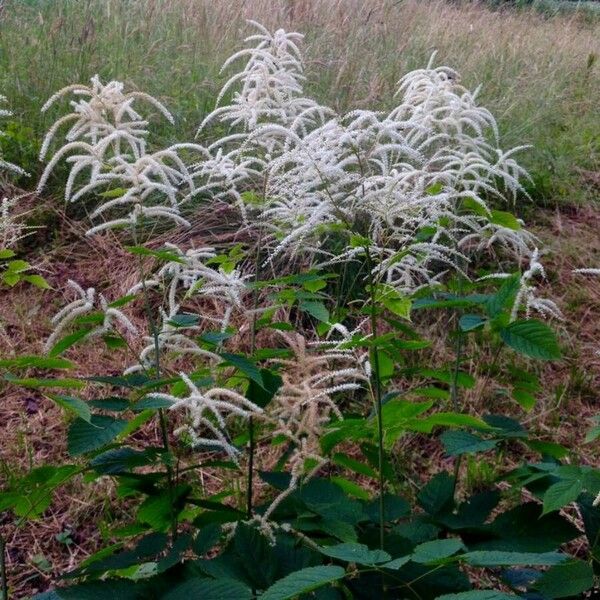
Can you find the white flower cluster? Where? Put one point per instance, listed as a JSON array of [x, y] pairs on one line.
[[105, 148], [209, 410], [526, 296], [86, 302], [426, 166], [304, 403]]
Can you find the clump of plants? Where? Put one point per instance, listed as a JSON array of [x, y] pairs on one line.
[[298, 361]]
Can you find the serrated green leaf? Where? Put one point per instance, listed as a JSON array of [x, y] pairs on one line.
[[84, 436], [204, 588], [498, 558], [531, 338], [38, 362], [67, 341], [562, 493], [18, 266], [302, 582], [461, 442], [315, 309], [356, 553], [436, 550], [505, 219], [244, 366], [74, 405], [565, 580], [471, 323]]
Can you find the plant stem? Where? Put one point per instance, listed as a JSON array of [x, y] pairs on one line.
[[378, 406], [3, 577], [454, 391], [164, 432], [251, 441]]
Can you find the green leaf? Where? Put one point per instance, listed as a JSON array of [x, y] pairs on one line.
[[434, 189], [120, 460], [207, 538], [350, 487], [436, 550], [479, 595], [164, 255], [68, 341], [85, 437], [74, 405], [505, 296], [18, 266], [462, 442], [303, 581], [152, 403], [397, 563], [399, 306], [184, 320], [356, 553], [11, 278], [209, 589], [552, 449], [6, 253], [525, 398], [497, 558], [562, 493], [568, 579], [342, 460], [505, 219], [315, 309], [448, 419], [37, 281], [471, 322], [159, 511], [437, 495], [38, 362], [242, 364], [531, 338], [447, 376], [114, 193], [261, 395]]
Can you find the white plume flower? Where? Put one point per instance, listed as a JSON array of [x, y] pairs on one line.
[[86, 302], [100, 111], [526, 296], [208, 412], [269, 86]]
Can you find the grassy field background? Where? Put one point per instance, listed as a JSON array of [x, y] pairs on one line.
[[540, 74]]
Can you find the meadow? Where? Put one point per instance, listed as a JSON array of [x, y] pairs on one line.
[[299, 299]]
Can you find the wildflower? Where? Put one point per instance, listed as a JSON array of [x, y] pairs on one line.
[[209, 410], [527, 296], [87, 302], [101, 111]]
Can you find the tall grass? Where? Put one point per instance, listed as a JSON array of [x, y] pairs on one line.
[[540, 75]]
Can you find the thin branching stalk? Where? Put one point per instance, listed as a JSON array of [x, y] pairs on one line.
[[255, 301], [454, 390], [164, 432], [377, 390]]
